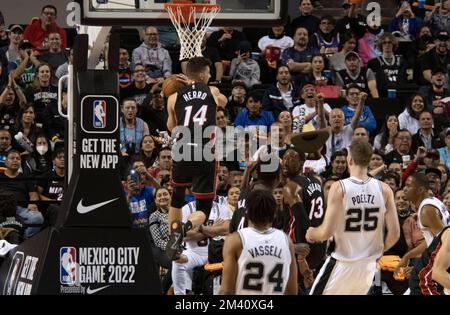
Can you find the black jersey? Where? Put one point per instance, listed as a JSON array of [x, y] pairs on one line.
[[195, 108], [360, 80], [313, 201], [421, 282]]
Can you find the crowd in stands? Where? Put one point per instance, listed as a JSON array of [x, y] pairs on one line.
[[271, 85]]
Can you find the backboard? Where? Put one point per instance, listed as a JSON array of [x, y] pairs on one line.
[[147, 12]]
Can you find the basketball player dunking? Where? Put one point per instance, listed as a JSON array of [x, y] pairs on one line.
[[259, 259], [191, 113], [360, 208]]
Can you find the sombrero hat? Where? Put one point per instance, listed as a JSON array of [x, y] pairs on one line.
[[310, 140]]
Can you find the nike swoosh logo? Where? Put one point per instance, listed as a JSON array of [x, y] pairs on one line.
[[89, 291], [83, 210]]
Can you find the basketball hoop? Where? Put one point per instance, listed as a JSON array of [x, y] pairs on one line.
[[191, 21]]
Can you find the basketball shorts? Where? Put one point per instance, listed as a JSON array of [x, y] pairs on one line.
[[344, 277], [200, 175]]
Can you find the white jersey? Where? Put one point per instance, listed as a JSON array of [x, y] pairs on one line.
[[264, 263], [444, 214], [218, 210], [360, 230]]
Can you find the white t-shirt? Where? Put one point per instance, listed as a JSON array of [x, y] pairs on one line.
[[341, 140], [283, 43], [308, 110]]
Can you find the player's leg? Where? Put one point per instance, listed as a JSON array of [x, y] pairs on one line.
[[204, 187], [182, 271]]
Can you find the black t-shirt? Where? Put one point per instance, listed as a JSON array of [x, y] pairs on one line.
[[155, 119], [432, 60], [213, 55], [42, 98], [388, 76], [396, 157], [310, 22], [54, 59], [53, 185], [139, 95], [20, 188]]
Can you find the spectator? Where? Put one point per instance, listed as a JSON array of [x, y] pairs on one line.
[[285, 118], [352, 21], [277, 143], [306, 19], [40, 28], [395, 167], [155, 59], [235, 179], [11, 99], [51, 187], [148, 152], [26, 123], [239, 159], [276, 38], [164, 161], [384, 141], [3, 76], [341, 136], [236, 101], [298, 58], [140, 196], [41, 92], [125, 73], [347, 43], [222, 180], [55, 56], [338, 166], [132, 128], [139, 89], [434, 179], [24, 192], [10, 224], [3, 34], [326, 40], [360, 132], [389, 69], [409, 118], [24, 68], [55, 124], [439, 57], [63, 69], [254, 118], [436, 91], [308, 110], [15, 37], [392, 179], [439, 19], [376, 165], [232, 199], [159, 231], [368, 44], [317, 76], [354, 99], [154, 111], [444, 152], [426, 136], [225, 139], [5, 144], [226, 41], [354, 73], [405, 22], [243, 68], [283, 96], [39, 161], [402, 147]]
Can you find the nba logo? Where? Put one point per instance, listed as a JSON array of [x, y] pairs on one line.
[[68, 265], [99, 113]]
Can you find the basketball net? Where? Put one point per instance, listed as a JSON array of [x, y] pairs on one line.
[[191, 21]]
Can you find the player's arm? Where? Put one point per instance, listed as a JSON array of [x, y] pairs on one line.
[[220, 227], [430, 218], [292, 286], [442, 262], [231, 251], [328, 227], [172, 118], [221, 100], [391, 218]]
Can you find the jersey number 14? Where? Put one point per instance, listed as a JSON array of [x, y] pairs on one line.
[[199, 117]]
